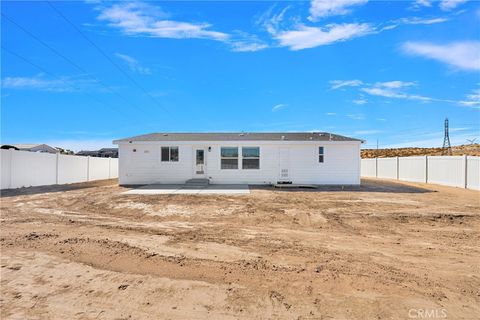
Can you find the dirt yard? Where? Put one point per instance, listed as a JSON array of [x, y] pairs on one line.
[[383, 250]]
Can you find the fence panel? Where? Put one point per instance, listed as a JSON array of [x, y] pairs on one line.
[[6, 162], [455, 171], [447, 170], [33, 169], [113, 168], [369, 168], [98, 168], [412, 169], [387, 168], [72, 169], [27, 169], [473, 173]]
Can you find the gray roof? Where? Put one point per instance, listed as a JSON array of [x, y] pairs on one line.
[[239, 136]]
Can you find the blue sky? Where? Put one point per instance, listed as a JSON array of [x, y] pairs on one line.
[[80, 74]]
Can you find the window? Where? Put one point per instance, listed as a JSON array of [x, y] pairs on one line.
[[251, 158], [321, 154], [229, 158], [169, 154]]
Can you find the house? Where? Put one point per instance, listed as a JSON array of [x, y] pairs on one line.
[[32, 147], [230, 158], [102, 153]]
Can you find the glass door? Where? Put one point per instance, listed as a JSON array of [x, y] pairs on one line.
[[200, 161]]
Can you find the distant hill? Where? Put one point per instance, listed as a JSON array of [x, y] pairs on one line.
[[468, 149]]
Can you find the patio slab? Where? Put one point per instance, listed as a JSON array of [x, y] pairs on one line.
[[227, 189]]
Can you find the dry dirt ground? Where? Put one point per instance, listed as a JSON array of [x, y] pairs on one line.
[[383, 250]]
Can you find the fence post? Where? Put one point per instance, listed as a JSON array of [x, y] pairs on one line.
[[109, 167], [398, 168], [465, 168], [376, 167], [88, 168], [426, 169]]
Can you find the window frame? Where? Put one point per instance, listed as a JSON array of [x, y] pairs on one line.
[[321, 154], [169, 154], [251, 158], [229, 158]]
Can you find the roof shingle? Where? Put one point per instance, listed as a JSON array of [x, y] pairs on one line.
[[239, 136]]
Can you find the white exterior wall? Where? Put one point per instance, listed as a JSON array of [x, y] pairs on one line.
[[412, 169], [27, 169], [473, 173], [387, 168], [341, 164], [448, 171]]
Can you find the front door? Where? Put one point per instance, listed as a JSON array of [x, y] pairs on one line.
[[200, 162]]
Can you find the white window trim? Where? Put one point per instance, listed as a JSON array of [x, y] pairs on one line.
[[320, 154], [238, 157], [169, 154], [253, 158]]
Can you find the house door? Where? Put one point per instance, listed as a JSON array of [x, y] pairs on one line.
[[284, 164], [200, 162]]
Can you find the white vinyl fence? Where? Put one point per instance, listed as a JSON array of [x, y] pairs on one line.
[[27, 169], [455, 171]]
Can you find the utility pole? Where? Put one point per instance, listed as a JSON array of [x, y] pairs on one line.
[[377, 149], [446, 149]]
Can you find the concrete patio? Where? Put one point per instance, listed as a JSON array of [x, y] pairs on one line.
[[227, 189]]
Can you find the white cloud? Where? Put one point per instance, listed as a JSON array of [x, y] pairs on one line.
[[423, 3], [381, 119], [278, 107], [242, 46], [331, 114], [472, 99], [139, 19], [337, 84], [462, 55], [447, 5], [244, 42], [133, 64], [325, 8], [357, 116], [40, 83], [417, 20], [394, 89], [304, 37], [360, 101]]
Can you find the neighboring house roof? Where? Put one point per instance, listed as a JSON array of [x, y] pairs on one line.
[[26, 145], [32, 147], [240, 136]]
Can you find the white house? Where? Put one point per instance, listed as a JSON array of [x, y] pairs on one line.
[[231, 158]]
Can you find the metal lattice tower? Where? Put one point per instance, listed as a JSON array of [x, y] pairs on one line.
[[447, 149]]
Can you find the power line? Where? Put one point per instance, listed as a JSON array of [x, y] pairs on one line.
[[107, 57], [70, 61], [57, 77]]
